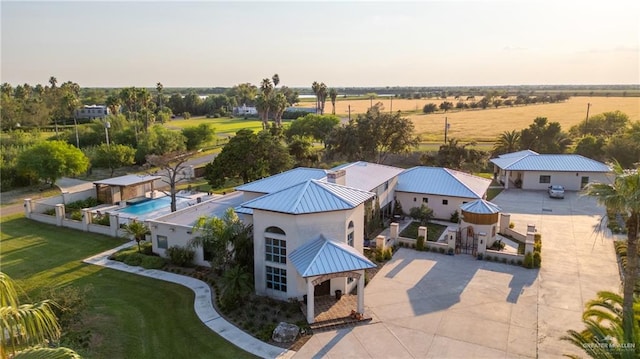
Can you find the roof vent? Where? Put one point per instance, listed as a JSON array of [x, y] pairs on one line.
[[337, 177]]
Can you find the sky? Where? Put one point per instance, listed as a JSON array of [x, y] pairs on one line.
[[343, 44]]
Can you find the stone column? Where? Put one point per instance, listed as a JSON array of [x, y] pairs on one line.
[[59, 214], [395, 230], [531, 228], [422, 231], [28, 207], [310, 301], [528, 244], [505, 219], [451, 238], [381, 242], [114, 224], [361, 293], [482, 243], [86, 219]]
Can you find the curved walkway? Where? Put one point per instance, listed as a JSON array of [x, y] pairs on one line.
[[202, 305]]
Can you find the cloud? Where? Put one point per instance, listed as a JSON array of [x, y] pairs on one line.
[[611, 50], [514, 48]]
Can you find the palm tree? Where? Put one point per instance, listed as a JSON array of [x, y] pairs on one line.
[[27, 328], [315, 86], [138, 230], [508, 141], [276, 80], [322, 96], [623, 195], [333, 94], [278, 104], [159, 88], [53, 81], [262, 106], [604, 331]]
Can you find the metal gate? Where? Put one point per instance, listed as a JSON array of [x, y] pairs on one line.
[[466, 242]]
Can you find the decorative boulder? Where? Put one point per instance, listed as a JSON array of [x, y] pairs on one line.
[[285, 333]]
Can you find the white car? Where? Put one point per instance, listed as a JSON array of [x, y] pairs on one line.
[[556, 191]]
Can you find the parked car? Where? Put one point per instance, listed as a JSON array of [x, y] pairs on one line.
[[556, 191]]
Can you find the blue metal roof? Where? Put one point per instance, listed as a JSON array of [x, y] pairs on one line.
[[443, 182], [310, 197], [367, 176], [480, 206], [283, 180], [322, 256], [549, 162], [243, 210]]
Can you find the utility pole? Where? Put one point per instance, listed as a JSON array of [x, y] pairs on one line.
[[446, 128], [586, 119], [391, 109], [349, 113]]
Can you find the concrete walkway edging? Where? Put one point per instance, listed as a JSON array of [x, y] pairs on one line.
[[203, 305]]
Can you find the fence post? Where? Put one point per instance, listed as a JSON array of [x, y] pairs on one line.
[[28, 207], [505, 219], [59, 214]]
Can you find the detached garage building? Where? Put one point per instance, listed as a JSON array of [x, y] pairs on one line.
[[531, 170]]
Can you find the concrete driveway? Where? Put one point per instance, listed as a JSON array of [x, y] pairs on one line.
[[428, 305]]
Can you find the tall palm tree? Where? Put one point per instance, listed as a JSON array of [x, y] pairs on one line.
[[138, 230], [508, 141], [276, 80], [159, 88], [322, 96], [28, 328], [623, 195], [262, 106], [333, 94], [315, 86], [278, 104], [604, 336], [53, 81]]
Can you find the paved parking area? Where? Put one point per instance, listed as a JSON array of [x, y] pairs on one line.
[[428, 305]]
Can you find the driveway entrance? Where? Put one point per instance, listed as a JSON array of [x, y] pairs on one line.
[[429, 305]]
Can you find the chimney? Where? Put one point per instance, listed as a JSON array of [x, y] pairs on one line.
[[337, 177]]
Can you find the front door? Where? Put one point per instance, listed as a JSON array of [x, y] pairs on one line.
[[584, 181], [323, 288]]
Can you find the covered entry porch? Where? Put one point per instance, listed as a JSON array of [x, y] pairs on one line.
[[321, 260]]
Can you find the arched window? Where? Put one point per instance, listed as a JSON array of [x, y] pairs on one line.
[[350, 234], [275, 245], [276, 230]]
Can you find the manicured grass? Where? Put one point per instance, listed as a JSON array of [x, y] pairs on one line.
[[493, 192], [130, 316], [434, 231], [223, 125]]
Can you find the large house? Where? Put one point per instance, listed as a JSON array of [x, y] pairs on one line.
[[531, 170], [308, 224], [90, 112]]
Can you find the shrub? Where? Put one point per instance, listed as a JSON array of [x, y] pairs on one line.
[[180, 256], [450, 251], [487, 258], [528, 260], [152, 262], [504, 260], [133, 259], [511, 225], [102, 220], [76, 215], [146, 248], [50, 212], [387, 254], [480, 255], [420, 243], [441, 250], [537, 259], [455, 217], [519, 262]]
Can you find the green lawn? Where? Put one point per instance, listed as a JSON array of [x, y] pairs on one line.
[[223, 125], [434, 231], [130, 316]]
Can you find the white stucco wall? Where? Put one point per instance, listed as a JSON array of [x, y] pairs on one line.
[[300, 229], [177, 235], [570, 180], [440, 211]]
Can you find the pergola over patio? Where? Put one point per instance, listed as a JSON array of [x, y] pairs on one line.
[[322, 259], [114, 190]]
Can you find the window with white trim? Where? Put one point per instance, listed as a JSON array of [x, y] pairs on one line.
[[161, 242], [276, 278], [545, 179]]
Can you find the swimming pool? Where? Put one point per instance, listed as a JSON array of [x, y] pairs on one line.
[[148, 206]]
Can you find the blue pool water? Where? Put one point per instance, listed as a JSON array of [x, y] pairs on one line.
[[148, 206]]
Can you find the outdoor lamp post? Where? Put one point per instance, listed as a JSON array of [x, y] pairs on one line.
[[107, 126]]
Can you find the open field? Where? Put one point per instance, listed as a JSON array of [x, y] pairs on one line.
[[130, 316], [468, 125]]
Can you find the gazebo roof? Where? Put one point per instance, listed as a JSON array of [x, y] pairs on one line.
[[480, 206], [128, 180], [322, 256]]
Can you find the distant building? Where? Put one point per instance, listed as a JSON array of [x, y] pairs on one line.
[[245, 110], [90, 112]]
